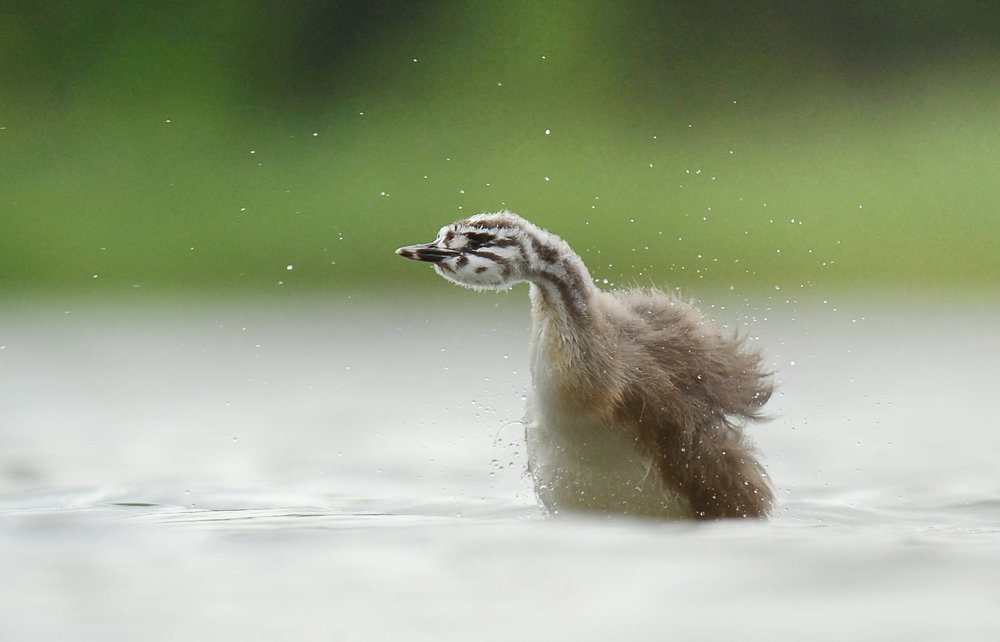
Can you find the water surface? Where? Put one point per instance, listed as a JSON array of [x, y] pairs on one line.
[[352, 470]]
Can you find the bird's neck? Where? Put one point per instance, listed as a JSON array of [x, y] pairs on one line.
[[563, 302], [572, 345], [562, 292]]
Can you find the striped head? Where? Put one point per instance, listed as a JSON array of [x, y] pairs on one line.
[[495, 251], [484, 252]]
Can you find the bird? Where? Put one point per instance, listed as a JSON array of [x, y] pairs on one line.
[[638, 402]]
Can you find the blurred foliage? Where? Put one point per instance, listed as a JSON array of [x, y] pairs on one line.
[[148, 146]]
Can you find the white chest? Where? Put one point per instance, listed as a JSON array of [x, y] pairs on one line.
[[578, 463]]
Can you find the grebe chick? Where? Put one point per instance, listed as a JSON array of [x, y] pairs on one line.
[[637, 401]]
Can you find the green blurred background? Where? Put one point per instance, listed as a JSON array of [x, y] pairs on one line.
[[158, 147]]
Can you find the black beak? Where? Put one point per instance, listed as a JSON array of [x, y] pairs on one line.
[[427, 252]]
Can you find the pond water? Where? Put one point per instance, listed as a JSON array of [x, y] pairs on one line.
[[351, 469]]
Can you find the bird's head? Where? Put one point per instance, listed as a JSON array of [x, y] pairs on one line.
[[484, 252]]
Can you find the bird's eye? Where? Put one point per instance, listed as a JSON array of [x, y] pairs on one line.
[[476, 240]]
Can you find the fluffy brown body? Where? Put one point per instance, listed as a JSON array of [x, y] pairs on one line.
[[651, 365]]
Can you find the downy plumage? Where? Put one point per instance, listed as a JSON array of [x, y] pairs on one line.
[[638, 402]]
